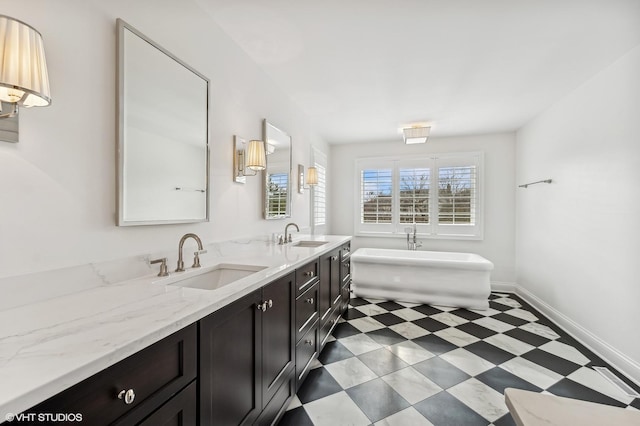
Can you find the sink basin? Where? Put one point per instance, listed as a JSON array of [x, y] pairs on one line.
[[218, 276], [309, 243]]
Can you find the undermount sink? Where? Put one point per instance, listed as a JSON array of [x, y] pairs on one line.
[[309, 243], [216, 277]]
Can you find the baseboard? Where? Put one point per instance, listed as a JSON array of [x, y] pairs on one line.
[[503, 286], [611, 355]]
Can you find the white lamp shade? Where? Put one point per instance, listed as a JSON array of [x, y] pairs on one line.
[[23, 69], [256, 159], [312, 176]]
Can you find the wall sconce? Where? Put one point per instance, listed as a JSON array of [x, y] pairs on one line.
[[413, 135], [24, 80], [312, 178], [246, 157]]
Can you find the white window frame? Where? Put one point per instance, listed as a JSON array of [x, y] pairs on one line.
[[433, 229], [318, 199]]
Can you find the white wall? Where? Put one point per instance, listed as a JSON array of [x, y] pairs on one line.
[[57, 186], [578, 239], [499, 150]]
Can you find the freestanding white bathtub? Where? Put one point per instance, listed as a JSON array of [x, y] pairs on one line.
[[432, 277]]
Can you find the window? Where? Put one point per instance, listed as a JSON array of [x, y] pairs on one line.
[[277, 185], [319, 192], [440, 194]]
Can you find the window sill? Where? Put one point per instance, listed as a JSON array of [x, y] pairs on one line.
[[420, 236]]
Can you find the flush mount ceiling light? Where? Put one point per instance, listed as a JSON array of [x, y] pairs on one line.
[[413, 135]]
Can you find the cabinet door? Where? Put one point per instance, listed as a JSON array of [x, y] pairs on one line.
[[230, 364], [329, 283], [278, 334]]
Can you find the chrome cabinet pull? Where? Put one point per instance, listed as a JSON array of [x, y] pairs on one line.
[[127, 395], [265, 305]]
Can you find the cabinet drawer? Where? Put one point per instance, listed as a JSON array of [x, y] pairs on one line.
[[151, 376], [306, 351], [345, 251], [306, 311], [306, 276], [345, 271], [327, 327], [179, 410], [346, 296]]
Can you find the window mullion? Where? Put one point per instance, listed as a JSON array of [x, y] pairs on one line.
[[395, 199]]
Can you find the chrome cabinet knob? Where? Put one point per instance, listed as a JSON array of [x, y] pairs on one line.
[[265, 305], [309, 300], [309, 342], [334, 257], [127, 395], [308, 274]]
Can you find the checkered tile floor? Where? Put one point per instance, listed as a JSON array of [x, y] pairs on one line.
[[407, 364]]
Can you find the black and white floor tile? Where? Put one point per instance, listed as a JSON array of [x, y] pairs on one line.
[[405, 364]]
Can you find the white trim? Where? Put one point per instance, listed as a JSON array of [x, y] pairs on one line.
[[503, 287], [615, 358], [434, 229]]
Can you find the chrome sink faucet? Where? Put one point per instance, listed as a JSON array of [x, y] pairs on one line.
[[413, 243], [287, 236], [196, 255]]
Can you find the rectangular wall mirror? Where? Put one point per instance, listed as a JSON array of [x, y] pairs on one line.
[[163, 135], [277, 183]]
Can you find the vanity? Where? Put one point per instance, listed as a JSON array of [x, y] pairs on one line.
[[168, 350]]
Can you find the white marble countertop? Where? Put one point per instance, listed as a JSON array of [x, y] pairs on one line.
[[535, 409], [49, 345]]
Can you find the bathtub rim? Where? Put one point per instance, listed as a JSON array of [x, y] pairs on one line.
[[413, 258]]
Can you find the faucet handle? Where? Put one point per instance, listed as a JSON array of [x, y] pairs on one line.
[[196, 258], [280, 240], [164, 271]]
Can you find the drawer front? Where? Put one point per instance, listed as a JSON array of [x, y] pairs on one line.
[[306, 276], [306, 350], [345, 271], [327, 327], [345, 251], [144, 381], [179, 411], [345, 296], [306, 311]]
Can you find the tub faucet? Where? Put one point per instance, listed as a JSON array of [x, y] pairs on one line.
[[287, 236], [196, 255], [413, 243]]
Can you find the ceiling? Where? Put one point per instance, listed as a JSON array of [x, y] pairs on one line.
[[363, 69]]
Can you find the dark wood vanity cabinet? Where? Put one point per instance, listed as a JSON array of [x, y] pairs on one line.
[[240, 365], [154, 384], [247, 357]]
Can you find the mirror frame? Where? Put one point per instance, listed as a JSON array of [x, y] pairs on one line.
[[122, 26], [265, 133]]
